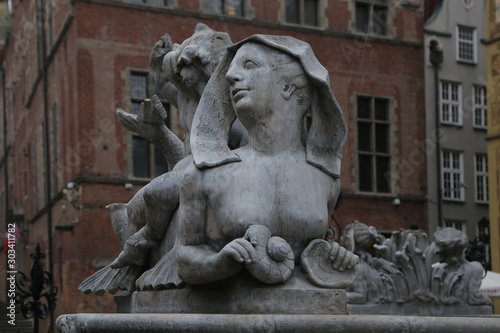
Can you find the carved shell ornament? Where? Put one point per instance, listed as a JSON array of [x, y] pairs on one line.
[[317, 266], [275, 256]]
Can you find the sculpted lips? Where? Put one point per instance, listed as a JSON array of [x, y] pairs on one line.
[[238, 93]]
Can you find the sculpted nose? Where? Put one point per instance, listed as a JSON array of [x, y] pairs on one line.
[[233, 75]]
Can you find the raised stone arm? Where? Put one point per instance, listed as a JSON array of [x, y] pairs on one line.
[[158, 76], [149, 123]]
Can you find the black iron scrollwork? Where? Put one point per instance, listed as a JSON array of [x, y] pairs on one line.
[[36, 296]]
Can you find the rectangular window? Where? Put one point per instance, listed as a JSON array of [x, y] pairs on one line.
[[466, 44], [227, 7], [481, 176], [452, 175], [450, 103], [371, 16], [147, 160], [459, 225], [303, 12], [480, 107], [374, 154]]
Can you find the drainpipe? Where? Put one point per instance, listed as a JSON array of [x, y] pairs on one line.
[[436, 59], [48, 187]]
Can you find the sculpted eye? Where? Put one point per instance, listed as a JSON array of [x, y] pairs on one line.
[[250, 64]]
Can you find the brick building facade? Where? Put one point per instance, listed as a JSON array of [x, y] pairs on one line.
[[61, 95]]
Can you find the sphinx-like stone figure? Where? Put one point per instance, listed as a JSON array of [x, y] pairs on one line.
[[405, 269], [274, 182], [262, 208]]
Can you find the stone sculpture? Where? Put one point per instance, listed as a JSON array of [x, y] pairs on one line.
[[262, 208], [143, 225], [405, 269]]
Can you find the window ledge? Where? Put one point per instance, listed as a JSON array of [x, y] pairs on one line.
[[483, 203], [304, 26], [410, 3], [457, 201], [467, 62], [230, 17], [147, 5], [384, 196], [374, 195], [140, 179], [452, 124], [480, 129], [371, 36]]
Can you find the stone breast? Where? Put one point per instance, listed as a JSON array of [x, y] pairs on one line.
[[292, 202]]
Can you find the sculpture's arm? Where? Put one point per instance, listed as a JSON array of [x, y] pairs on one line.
[[198, 261], [149, 124], [157, 74]]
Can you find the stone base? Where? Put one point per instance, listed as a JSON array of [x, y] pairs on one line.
[[203, 323], [244, 295], [419, 309]]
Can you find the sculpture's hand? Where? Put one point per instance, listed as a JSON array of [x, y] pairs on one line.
[[148, 122], [162, 47], [240, 250], [341, 258]]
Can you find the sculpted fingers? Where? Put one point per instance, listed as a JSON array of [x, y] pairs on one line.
[[240, 249], [340, 257], [353, 262], [334, 250], [345, 262], [235, 251], [248, 248]]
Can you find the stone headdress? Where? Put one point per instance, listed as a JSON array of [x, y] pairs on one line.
[[215, 114]]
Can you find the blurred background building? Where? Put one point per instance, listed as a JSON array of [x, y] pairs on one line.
[[493, 68], [68, 64], [456, 114]]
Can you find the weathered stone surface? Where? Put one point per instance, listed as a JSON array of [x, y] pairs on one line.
[[244, 295], [406, 275], [269, 83], [420, 309], [203, 323]]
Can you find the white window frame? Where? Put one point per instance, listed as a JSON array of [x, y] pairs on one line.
[[457, 224], [449, 171], [473, 43], [481, 178], [479, 105], [447, 102]]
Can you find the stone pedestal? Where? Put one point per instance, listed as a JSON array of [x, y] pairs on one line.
[[206, 323], [420, 309], [244, 295]]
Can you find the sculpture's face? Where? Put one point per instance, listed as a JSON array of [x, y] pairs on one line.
[[190, 76], [254, 91]]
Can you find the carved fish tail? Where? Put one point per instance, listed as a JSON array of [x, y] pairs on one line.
[[111, 280]]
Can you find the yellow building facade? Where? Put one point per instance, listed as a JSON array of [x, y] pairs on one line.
[[493, 70]]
